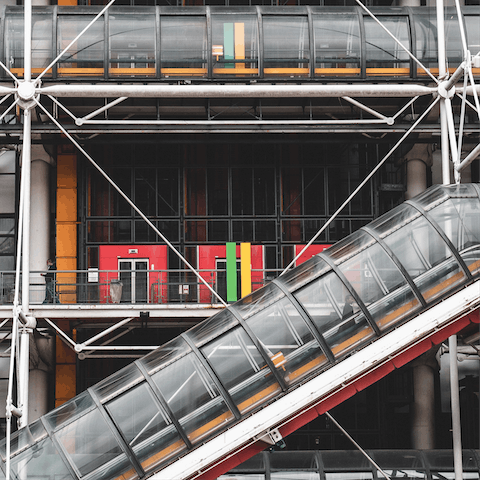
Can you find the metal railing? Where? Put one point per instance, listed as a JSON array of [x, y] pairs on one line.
[[95, 286]]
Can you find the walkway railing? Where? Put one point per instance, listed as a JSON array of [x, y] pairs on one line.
[[95, 286]]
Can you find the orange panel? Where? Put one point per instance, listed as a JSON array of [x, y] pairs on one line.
[[66, 227], [66, 204]]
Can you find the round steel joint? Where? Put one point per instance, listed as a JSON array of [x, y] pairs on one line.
[[443, 92], [31, 322], [26, 92]]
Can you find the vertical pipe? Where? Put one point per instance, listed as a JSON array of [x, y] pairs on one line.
[[454, 394], [27, 60], [26, 172], [455, 401], [442, 73], [23, 375]]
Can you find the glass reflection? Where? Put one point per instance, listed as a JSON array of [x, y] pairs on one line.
[[42, 458], [337, 44], [90, 445], [132, 44], [335, 314], [85, 57], [145, 426], [380, 285], [287, 340], [286, 45], [458, 218], [193, 397], [183, 46], [241, 369], [383, 54]]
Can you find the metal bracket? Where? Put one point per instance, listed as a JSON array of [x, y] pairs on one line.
[[271, 437]]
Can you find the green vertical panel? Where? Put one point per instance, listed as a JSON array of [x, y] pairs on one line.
[[228, 44], [231, 272]]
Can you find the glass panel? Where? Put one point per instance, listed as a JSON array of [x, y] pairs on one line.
[[342, 324], [24, 438], [41, 43], [473, 33], [14, 41], [383, 53], [398, 464], [305, 273], [141, 281], [212, 327], [380, 285], [42, 461], [165, 354], [442, 466], [145, 426], [286, 46], [287, 340], [90, 445], [259, 299], [184, 46], [422, 252], [458, 218], [349, 246], [337, 44], [132, 44], [118, 382], [85, 56], [294, 475], [346, 461], [305, 461], [69, 410], [193, 397], [426, 34], [241, 369], [235, 45]]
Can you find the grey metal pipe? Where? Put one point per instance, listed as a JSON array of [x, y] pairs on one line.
[[236, 91], [455, 401]]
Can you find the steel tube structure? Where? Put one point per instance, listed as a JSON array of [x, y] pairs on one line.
[[236, 91]]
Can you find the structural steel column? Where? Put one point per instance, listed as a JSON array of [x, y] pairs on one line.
[[423, 421], [39, 221]]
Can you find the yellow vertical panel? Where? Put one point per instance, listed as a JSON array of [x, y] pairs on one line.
[[66, 227], [65, 367], [239, 40], [66, 204], [246, 268]]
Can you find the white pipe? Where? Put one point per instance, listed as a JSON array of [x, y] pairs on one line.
[[387, 121], [238, 91], [26, 171], [24, 369], [444, 144], [364, 107], [27, 49], [469, 158]]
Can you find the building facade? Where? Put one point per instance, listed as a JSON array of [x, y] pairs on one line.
[[238, 183]]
